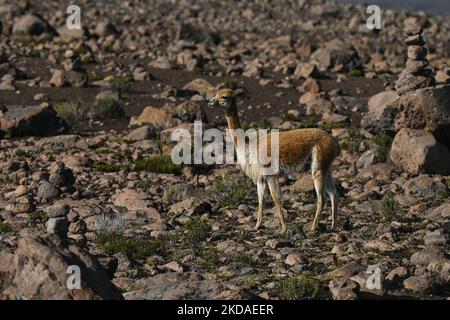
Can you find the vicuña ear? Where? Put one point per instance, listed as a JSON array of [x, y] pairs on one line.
[[240, 94]]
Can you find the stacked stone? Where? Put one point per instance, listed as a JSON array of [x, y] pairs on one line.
[[416, 74], [58, 223]]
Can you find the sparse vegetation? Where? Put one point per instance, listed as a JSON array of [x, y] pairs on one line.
[[122, 84], [109, 167], [389, 208], [197, 230], [158, 164], [38, 217], [135, 249], [5, 227], [230, 83], [71, 112], [87, 58], [354, 140], [356, 73], [105, 108], [303, 287], [20, 153], [383, 143], [209, 258], [231, 190]]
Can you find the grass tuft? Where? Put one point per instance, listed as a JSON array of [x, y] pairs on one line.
[[303, 287], [197, 231], [106, 108], [158, 164], [389, 208], [71, 112], [136, 250], [5, 227], [229, 191]]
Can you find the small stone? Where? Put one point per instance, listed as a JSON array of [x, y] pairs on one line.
[[416, 40], [310, 85], [397, 274], [442, 77], [47, 192], [73, 216], [22, 204], [415, 66], [39, 97], [417, 52], [58, 226], [416, 283], [78, 227], [294, 259], [413, 27], [174, 266], [436, 237], [20, 191], [58, 210]]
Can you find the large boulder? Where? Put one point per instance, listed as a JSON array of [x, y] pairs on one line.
[[201, 86], [425, 109], [31, 24], [182, 286], [39, 271], [38, 120], [382, 100], [418, 150], [337, 54], [158, 118]]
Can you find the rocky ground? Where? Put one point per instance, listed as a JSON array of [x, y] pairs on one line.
[[85, 170]]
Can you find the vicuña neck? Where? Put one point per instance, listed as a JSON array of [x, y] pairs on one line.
[[233, 121]]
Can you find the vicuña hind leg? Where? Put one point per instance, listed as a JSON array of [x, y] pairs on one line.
[[330, 189], [261, 185], [275, 192], [319, 184]]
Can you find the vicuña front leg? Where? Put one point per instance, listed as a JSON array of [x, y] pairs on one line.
[[261, 185], [275, 192]]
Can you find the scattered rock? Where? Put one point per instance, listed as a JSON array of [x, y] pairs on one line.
[[40, 266], [29, 121], [419, 150]]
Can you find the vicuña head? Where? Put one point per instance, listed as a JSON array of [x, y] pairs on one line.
[[294, 149]]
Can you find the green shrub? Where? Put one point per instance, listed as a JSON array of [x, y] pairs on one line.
[[158, 164], [230, 83], [109, 167], [356, 73], [5, 227], [384, 143], [229, 191], [389, 208], [105, 108], [209, 258], [308, 123], [135, 249], [38, 217], [20, 153], [87, 58], [354, 140], [197, 231], [94, 77], [121, 84], [303, 287], [71, 112]]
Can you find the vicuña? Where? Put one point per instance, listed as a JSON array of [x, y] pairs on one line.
[[295, 147]]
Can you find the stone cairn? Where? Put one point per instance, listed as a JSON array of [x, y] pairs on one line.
[[57, 219], [416, 75]]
